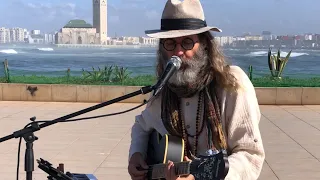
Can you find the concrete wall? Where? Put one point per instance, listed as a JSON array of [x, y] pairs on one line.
[[289, 96], [96, 94], [67, 93]]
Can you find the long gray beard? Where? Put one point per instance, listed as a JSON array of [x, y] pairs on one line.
[[193, 67]]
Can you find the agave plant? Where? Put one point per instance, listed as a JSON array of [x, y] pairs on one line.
[[121, 74], [96, 75], [277, 63], [107, 73]]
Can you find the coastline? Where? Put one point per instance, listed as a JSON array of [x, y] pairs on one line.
[[102, 46], [10, 45]]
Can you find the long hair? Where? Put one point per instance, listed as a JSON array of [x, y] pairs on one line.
[[217, 64]]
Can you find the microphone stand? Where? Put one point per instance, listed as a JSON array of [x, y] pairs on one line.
[[28, 132]]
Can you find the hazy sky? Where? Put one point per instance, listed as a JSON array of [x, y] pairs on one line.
[[132, 17]]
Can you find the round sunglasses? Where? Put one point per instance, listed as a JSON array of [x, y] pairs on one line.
[[171, 44]]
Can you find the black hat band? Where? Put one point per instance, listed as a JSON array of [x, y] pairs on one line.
[[182, 24]]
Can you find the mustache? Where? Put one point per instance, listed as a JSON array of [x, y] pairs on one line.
[[199, 59], [185, 65]]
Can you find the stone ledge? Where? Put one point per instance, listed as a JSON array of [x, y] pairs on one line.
[[67, 93], [0, 92], [100, 93]]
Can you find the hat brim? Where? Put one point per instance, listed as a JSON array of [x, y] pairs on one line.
[[178, 33]]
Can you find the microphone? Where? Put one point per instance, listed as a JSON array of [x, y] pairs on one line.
[[173, 65]]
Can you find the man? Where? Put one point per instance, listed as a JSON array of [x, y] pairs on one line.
[[205, 90]]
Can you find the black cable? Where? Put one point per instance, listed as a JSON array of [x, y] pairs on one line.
[[19, 147], [79, 119], [112, 114]]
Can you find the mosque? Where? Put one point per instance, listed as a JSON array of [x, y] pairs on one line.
[[80, 32]]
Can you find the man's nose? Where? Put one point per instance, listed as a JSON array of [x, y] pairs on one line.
[[178, 51]]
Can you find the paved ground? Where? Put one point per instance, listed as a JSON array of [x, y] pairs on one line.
[[291, 136]]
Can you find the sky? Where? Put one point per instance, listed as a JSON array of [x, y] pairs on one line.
[[133, 17]]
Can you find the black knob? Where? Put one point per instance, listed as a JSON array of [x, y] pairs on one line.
[[33, 118]]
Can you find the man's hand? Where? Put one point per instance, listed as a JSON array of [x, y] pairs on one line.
[[171, 175], [136, 161]]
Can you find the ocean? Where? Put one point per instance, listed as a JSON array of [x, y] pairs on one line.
[[54, 61]]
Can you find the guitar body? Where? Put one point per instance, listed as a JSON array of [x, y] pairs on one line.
[[161, 149]]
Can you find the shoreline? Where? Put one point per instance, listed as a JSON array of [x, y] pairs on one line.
[[11, 45], [101, 46]]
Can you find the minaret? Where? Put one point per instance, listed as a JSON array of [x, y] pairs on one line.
[[100, 19]]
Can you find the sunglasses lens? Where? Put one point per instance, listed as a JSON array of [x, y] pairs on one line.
[[169, 44], [187, 44]]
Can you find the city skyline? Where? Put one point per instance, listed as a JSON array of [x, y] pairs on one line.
[[235, 18]]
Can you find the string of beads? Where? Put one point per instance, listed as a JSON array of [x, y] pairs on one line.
[[185, 133]]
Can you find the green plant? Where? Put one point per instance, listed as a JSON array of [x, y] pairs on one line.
[[94, 75], [121, 74], [277, 63], [68, 75], [6, 71], [250, 72], [108, 73]]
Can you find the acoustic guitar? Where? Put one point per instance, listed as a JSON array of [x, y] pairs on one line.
[[161, 149]]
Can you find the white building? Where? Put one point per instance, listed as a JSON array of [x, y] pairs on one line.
[[253, 38], [2, 35], [48, 38], [224, 40], [51, 39], [19, 34], [148, 41], [130, 40], [35, 32], [8, 36], [308, 37], [11, 35], [26, 34], [266, 35], [35, 39], [239, 39]]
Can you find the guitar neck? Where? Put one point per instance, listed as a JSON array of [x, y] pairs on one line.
[[181, 168]]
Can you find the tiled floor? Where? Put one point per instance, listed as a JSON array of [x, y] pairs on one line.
[[290, 134]]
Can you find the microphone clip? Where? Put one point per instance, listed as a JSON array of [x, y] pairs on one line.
[[172, 66]]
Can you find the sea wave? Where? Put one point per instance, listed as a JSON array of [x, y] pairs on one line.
[[293, 54], [282, 54], [45, 49], [144, 53], [8, 51], [258, 53]]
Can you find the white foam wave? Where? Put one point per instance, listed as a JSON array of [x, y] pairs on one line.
[[293, 54], [45, 49], [282, 54], [8, 51], [144, 53], [258, 53]]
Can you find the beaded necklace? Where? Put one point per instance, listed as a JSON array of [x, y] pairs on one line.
[[185, 133]]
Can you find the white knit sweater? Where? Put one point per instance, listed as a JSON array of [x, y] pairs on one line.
[[240, 115]]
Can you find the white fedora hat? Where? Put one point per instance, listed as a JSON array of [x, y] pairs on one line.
[[181, 18]]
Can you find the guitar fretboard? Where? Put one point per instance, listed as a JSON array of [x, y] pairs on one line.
[[181, 168]]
